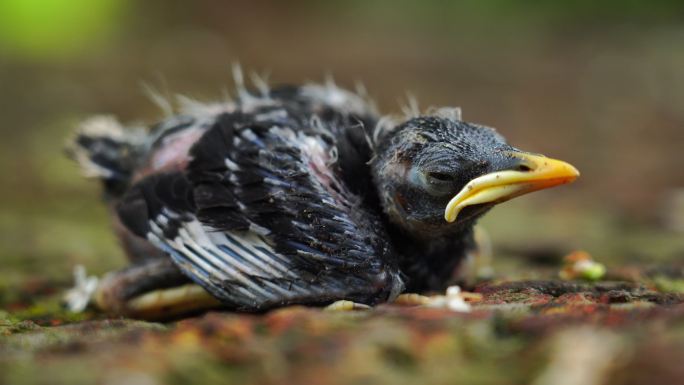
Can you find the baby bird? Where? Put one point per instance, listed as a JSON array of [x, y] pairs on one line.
[[296, 195]]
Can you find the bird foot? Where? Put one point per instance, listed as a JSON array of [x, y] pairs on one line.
[[344, 305]]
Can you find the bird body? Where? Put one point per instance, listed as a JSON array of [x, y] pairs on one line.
[[290, 195]]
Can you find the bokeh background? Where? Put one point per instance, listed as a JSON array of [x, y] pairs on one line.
[[599, 84]]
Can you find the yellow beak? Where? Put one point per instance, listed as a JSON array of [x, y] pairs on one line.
[[539, 173]]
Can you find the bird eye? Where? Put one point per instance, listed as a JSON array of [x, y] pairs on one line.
[[440, 176], [436, 183]]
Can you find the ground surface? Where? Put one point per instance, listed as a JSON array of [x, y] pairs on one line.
[[626, 330]]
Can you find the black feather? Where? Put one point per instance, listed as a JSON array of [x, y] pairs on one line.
[[263, 216]]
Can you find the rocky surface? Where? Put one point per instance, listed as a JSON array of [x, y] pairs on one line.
[[517, 332]]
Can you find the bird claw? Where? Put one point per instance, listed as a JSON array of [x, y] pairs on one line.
[[78, 297], [345, 305]]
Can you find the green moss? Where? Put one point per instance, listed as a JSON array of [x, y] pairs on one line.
[[672, 285]]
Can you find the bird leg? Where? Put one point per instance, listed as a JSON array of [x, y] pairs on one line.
[[411, 299], [172, 302], [155, 289], [345, 305]]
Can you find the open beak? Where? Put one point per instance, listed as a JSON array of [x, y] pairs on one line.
[[536, 172]]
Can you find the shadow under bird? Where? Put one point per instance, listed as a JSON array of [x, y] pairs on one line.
[[296, 195]]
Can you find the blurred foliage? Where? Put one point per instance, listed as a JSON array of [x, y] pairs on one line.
[[56, 28], [526, 10]]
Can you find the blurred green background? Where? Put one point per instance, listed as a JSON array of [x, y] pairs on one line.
[[599, 84]]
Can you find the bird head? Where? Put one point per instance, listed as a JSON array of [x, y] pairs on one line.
[[437, 174]]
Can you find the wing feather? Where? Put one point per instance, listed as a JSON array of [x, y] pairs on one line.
[[261, 217]]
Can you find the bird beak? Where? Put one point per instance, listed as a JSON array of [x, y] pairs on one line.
[[534, 172]]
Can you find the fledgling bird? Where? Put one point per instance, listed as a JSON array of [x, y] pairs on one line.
[[296, 195]]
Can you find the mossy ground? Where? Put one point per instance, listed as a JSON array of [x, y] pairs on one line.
[[520, 332]]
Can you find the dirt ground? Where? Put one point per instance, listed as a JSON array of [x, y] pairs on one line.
[[518, 332]]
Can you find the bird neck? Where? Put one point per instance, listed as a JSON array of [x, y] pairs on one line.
[[430, 261]]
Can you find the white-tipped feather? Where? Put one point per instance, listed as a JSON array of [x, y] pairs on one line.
[[445, 112], [261, 83], [385, 124], [104, 127], [411, 108], [158, 99], [239, 80]]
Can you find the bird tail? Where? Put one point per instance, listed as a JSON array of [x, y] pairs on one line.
[[106, 150]]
